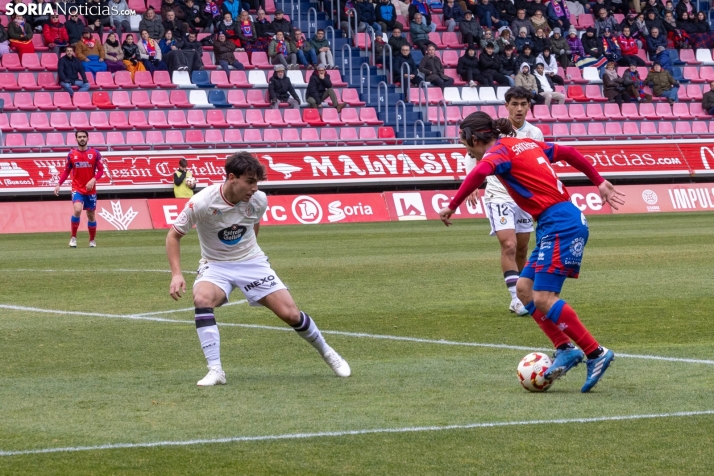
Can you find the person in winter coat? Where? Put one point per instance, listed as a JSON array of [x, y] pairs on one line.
[[178, 27], [387, 16], [306, 54], [629, 49], [652, 20], [319, 88], [546, 88], [657, 46], [4, 43], [74, 27], [366, 14], [280, 89], [117, 20], [113, 54], [634, 85], [610, 46], [509, 64], [558, 14], [132, 60], [505, 38], [322, 48], [420, 33], [151, 22], [193, 50], [282, 51], [488, 38], [708, 100], [603, 21], [560, 48], [233, 7], [489, 16], [470, 29], [467, 68], [528, 57], [525, 79], [592, 44], [453, 15], [99, 17], [150, 53], [574, 44], [20, 34], [91, 52], [550, 66], [280, 23], [194, 18], [522, 22], [539, 22], [55, 35], [506, 10], [613, 86], [490, 66], [223, 50], [523, 39], [685, 6], [662, 83], [540, 42], [433, 70], [70, 72], [405, 56], [397, 41], [422, 7], [172, 53]]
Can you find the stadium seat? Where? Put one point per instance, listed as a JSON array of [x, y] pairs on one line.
[[296, 78], [368, 115], [254, 118], [160, 99], [696, 110], [387, 135], [274, 137], [175, 119], [161, 79], [215, 118], [578, 130], [351, 97], [79, 120], [700, 129], [612, 112], [312, 117], [452, 96], [369, 136], [194, 137], [19, 122], [199, 98], [98, 120], [238, 79], [613, 129], [155, 139], [274, 118], [11, 62], [451, 40], [49, 62], [15, 142], [705, 56], [542, 113], [585, 21], [630, 129], [469, 95], [242, 58], [178, 99], [257, 79], [486, 95], [450, 72], [349, 116], [119, 121], [215, 137], [101, 100], [8, 82], [311, 137], [289, 137], [46, 81], [648, 130], [207, 59], [594, 93], [629, 111], [560, 130], [451, 57], [58, 121], [692, 74], [220, 79], [293, 119], [218, 98], [332, 118], [683, 128], [182, 80], [594, 112], [236, 98], [137, 5], [234, 137], [123, 80], [706, 73], [596, 131], [142, 79], [559, 112], [694, 92], [576, 76], [82, 100], [140, 99], [38, 120], [592, 75], [252, 137], [259, 59], [120, 99], [577, 113], [665, 128], [105, 80], [647, 111], [576, 93], [664, 111], [200, 79], [688, 56], [23, 101], [256, 98], [35, 140], [335, 77], [234, 117], [349, 136], [43, 101], [137, 119], [27, 82], [55, 141], [39, 43]]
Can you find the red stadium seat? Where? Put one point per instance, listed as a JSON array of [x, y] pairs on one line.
[[542, 113], [451, 57], [236, 98], [349, 136], [242, 58], [49, 62], [238, 79], [594, 93], [274, 118], [105, 80], [293, 119], [176, 119], [387, 134], [158, 119], [576, 75], [31, 62], [559, 112], [35, 140], [101, 100], [362, 41], [174, 137], [220, 79], [259, 59], [195, 118], [193, 136], [140, 99], [594, 112], [687, 55], [312, 117], [136, 138], [27, 82], [46, 81], [629, 111], [39, 121], [252, 137], [336, 78], [23, 101], [351, 97], [118, 120], [706, 73], [233, 137], [215, 119], [451, 40], [435, 115], [596, 130], [208, 63], [274, 137], [234, 117], [55, 141], [7, 99], [16, 142], [647, 111], [291, 138], [560, 130], [648, 129], [630, 129], [11, 62], [82, 100], [254, 117], [156, 139], [39, 43], [19, 122], [123, 80], [43, 101], [215, 137], [349, 116], [700, 128], [161, 79], [179, 99], [664, 111], [665, 128], [311, 137], [142, 79], [369, 136], [613, 129], [121, 99], [696, 110], [692, 74], [450, 72], [8, 82], [79, 120], [137, 119], [332, 118], [577, 113], [160, 99], [368, 115], [586, 20], [694, 92], [683, 128], [576, 93], [578, 130], [137, 5], [436, 39], [612, 112], [256, 98], [59, 121]]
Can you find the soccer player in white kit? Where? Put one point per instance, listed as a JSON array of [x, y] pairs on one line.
[[227, 219], [511, 225]]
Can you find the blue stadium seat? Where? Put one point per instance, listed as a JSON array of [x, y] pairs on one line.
[[201, 79], [218, 98]]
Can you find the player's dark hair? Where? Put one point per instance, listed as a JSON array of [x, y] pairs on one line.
[[480, 127], [183, 163], [518, 92], [245, 163], [81, 131]]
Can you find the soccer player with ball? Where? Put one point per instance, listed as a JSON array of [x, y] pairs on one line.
[[523, 167], [227, 219]]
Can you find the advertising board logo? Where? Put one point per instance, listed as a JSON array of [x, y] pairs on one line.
[[409, 206], [650, 197], [117, 217], [307, 210]]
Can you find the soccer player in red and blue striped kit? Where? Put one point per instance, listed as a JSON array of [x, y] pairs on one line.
[[86, 166], [523, 166]]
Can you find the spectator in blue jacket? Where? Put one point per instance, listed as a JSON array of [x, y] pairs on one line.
[[71, 72], [366, 15], [387, 16], [453, 15], [559, 15], [489, 16]]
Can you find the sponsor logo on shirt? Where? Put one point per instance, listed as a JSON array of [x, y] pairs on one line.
[[232, 235], [577, 246], [269, 280]]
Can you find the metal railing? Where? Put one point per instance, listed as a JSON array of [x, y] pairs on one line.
[[330, 33], [309, 25], [402, 118], [439, 108], [345, 61], [387, 73], [425, 107], [406, 85], [423, 131], [383, 99], [349, 24], [369, 81], [372, 37]]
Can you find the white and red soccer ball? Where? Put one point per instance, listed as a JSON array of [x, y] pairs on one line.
[[531, 372], [191, 182]]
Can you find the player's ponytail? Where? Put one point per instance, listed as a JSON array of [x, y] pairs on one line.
[[480, 127]]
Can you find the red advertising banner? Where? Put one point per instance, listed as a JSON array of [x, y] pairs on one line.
[[668, 198], [353, 166]]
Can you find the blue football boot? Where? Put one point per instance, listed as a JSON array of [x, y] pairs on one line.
[[597, 368], [564, 360]]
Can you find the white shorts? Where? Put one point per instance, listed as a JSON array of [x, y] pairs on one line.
[[255, 278], [508, 216]]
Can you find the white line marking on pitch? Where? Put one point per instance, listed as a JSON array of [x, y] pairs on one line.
[[148, 317], [324, 434], [242, 301], [118, 270]]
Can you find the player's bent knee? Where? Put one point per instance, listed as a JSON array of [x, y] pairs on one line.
[[289, 313], [524, 290], [543, 301]]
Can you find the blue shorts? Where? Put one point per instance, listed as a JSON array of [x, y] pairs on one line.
[[89, 201], [561, 235]]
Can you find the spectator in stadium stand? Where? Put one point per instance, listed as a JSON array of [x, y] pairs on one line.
[[150, 53], [151, 22], [580, 7], [550, 66], [319, 88], [172, 53], [38, 21], [96, 17], [488, 38], [655, 5], [652, 21], [4, 43], [74, 27], [178, 27], [20, 34], [489, 16], [470, 29], [546, 88], [685, 6], [212, 12], [593, 50], [419, 32], [223, 50], [574, 44], [193, 49], [620, 6], [181, 188], [708, 99], [686, 24], [280, 23], [539, 22], [560, 48], [366, 16], [634, 85], [610, 47], [305, 52], [467, 68], [505, 37], [603, 21], [657, 48], [523, 39], [194, 19], [387, 16], [280, 89], [264, 31], [536, 5], [117, 20], [113, 54], [640, 30], [323, 49], [433, 70], [422, 7], [522, 22], [91, 52], [490, 66], [229, 27], [397, 42], [614, 86], [132, 60], [405, 56], [528, 57], [70, 72], [524, 79], [629, 49], [702, 36], [257, 5], [253, 35], [453, 14], [558, 14], [283, 51], [506, 10], [509, 64], [540, 42], [176, 7], [55, 35], [662, 83], [244, 29]]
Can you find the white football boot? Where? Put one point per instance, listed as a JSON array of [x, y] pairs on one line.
[[92, 244], [73, 242], [215, 376], [518, 307], [337, 363]]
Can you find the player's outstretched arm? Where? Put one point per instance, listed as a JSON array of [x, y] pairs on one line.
[[608, 192], [173, 252]]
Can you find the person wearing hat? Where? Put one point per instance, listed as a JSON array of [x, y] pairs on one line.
[[470, 29], [319, 88], [523, 39], [610, 47], [490, 66], [74, 26], [283, 51], [559, 48], [634, 85], [574, 44], [91, 52], [223, 50], [488, 38], [604, 20], [280, 23], [70, 72], [558, 14], [453, 14], [467, 68], [505, 38], [662, 83], [280, 89], [405, 56], [550, 66], [433, 70], [524, 79], [97, 16]]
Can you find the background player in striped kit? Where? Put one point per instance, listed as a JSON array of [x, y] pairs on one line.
[[227, 218], [87, 167]]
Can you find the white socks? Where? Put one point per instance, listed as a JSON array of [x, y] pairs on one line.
[[307, 329], [208, 336]]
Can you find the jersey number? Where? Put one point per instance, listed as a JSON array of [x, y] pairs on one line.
[[544, 161]]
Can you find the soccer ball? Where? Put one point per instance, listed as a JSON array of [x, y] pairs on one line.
[[531, 372], [191, 182]]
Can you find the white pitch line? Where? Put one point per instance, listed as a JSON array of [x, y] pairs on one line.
[[118, 270], [343, 333], [186, 309], [332, 434]]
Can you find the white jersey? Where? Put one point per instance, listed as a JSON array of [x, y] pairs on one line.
[[495, 191], [225, 231]]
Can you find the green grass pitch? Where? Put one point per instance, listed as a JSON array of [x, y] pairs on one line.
[[72, 380]]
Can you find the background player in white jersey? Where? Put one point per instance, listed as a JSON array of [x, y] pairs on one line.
[[511, 225], [227, 219]]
